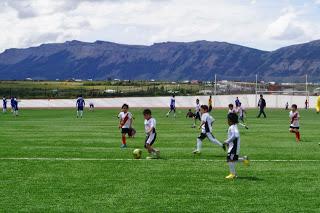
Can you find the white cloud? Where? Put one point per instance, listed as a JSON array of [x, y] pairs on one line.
[[261, 24]]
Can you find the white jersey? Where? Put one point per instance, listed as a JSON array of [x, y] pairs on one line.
[[122, 116], [148, 124], [233, 140], [207, 121], [198, 107], [294, 118]]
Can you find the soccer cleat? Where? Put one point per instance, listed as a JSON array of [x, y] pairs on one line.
[[151, 157], [123, 146], [246, 127], [246, 161], [231, 176], [196, 151], [157, 154]]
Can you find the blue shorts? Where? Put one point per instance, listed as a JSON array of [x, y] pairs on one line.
[[80, 108]]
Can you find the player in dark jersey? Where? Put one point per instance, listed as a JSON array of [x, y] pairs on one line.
[[80, 106], [4, 104]]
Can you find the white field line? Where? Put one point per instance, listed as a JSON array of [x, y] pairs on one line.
[[119, 159]]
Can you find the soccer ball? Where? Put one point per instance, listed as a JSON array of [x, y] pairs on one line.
[[137, 153]]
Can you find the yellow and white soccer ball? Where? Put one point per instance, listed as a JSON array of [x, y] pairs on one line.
[[137, 153]]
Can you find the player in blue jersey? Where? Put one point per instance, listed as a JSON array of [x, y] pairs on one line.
[[12, 103], [15, 107], [172, 106], [4, 104], [80, 106]]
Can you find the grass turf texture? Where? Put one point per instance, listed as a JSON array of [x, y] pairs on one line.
[[178, 183]]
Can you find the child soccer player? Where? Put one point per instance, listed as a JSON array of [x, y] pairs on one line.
[[172, 106], [294, 121], [231, 109], [151, 134], [12, 103], [239, 110], [233, 143], [241, 113], [287, 106], [80, 106], [190, 114], [318, 105], [197, 113], [206, 130], [15, 107], [4, 104], [91, 106], [210, 104], [125, 123]]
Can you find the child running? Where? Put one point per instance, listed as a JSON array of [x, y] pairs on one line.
[[239, 110], [233, 143], [125, 123], [172, 106], [294, 121], [206, 130], [151, 134]]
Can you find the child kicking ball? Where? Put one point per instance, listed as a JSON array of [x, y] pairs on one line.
[[151, 134]]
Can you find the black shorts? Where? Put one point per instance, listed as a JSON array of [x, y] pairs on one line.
[[150, 139], [232, 157], [203, 136], [210, 108], [292, 127], [172, 108], [232, 154], [125, 130], [80, 108], [197, 116]]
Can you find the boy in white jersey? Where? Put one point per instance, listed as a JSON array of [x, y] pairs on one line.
[[125, 123], [151, 134], [206, 130], [197, 113], [294, 121], [233, 143], [241, 112], [237, 111]]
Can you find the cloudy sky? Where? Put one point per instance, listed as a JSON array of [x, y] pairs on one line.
[[262, 24]]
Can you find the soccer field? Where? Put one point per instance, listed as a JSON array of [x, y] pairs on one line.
[[50, 161]]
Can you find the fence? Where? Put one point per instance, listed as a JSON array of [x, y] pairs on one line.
[[219, 101]]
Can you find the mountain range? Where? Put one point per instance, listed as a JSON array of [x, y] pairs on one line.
[[172, 61]]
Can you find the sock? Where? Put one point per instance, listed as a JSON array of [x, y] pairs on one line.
[[81, 113], [199, 144], [213, 140], [232, 167], [174, 115], [124, 140], [77, 113], [298, 135]]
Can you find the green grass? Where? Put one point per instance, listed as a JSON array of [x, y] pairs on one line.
[[177, 183]]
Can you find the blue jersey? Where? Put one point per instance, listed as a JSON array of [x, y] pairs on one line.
[[4, 100], [172, 102], [15, 104], [80, 103], [238, 103], [12, 102]]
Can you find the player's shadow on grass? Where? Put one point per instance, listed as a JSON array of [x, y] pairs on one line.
[[251, 178]]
